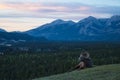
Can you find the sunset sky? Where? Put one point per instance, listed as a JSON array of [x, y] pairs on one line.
[[23, 15]]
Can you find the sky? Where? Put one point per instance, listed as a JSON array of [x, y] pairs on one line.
[[23, 15]]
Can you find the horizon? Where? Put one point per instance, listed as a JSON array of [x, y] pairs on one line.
[[25, 15]]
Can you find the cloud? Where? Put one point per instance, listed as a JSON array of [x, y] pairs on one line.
[[31, 7], [55, 10], [108, 9]]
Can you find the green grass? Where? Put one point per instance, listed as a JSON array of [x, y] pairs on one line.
[[106, 72]]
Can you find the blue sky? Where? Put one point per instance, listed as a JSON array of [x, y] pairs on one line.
[[28, 14]]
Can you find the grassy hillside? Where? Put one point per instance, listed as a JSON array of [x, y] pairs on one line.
[[106, 72]]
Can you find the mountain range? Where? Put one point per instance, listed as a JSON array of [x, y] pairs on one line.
[[88, 29]]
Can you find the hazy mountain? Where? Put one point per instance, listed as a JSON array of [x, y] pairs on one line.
[[58, 29], [15, 37], [90, 29]]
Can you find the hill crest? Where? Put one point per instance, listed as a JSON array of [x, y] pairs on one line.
[[106, 72]]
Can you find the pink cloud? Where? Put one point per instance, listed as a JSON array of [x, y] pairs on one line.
[[31, 7], [83, 8], [38, 7], [52, 10]]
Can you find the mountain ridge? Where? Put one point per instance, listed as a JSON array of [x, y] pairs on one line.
[[90, 29], [87, 29]]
